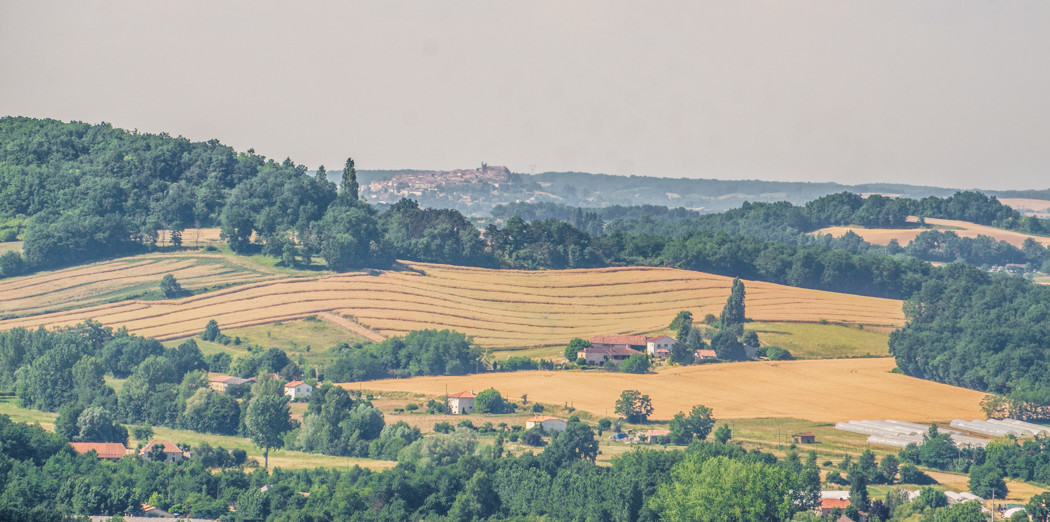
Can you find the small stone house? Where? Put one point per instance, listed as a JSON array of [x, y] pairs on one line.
[[172, 453], [805, 438], [461, 403]]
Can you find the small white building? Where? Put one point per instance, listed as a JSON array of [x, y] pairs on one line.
[[659, 346], [298, 390], [549, 424], [461, 403]]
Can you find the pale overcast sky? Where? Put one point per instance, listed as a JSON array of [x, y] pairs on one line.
[[950, 93]]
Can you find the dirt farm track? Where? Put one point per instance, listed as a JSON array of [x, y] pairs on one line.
[[819, 390]]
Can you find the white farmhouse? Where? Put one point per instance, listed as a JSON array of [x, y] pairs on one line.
[[298, 389]]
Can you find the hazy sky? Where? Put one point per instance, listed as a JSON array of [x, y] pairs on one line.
[[953, 93]]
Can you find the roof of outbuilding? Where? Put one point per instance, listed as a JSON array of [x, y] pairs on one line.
[[105, 450], [169, 447], [544, 418], [619, 339]]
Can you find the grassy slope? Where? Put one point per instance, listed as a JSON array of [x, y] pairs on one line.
[[822, 341]]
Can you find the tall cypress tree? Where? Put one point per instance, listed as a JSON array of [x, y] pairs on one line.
[[733, 312], [349, 188]]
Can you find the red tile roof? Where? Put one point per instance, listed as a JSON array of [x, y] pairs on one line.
[[293, 384], [463, 394], [169, 447], [833, 503], [657, 338], [105, 450], [610, 350], [619, 339], [706, 353]]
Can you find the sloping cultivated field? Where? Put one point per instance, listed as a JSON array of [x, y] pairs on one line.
[[820, 391], [110, 280], [499, 308], [882, 236]]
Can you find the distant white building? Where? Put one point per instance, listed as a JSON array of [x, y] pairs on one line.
[[659, 346], [298, 389], [461, 403], [549, 424]]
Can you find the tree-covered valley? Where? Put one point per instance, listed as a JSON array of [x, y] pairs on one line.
[[74, 193]]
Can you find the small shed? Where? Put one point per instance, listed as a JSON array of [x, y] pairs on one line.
[[652, 436], [805, 438], [549, 424]]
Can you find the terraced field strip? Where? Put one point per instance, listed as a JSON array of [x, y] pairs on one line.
[[99, 282], [882, 236], [499, 308], [819, 391]]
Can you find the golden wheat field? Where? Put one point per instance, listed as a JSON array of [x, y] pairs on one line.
[[98, 282], [882, 236], [1033, 207], [818, 390], [499, 308]]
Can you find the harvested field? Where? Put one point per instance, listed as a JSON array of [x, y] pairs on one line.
[[820, 391], [499, 308], [1031, 207], [110, 280], [882, 236], [10, 246]]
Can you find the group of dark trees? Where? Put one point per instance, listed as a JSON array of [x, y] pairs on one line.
[[424, 352], [982, 331], [63, 371], [442, 476]]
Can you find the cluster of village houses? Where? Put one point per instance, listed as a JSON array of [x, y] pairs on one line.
[[617, 348]]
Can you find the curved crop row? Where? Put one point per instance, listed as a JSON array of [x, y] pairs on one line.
[[498, 308]]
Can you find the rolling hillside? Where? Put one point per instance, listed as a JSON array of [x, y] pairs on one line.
[[820, 391], [499, 308], [882, 236]]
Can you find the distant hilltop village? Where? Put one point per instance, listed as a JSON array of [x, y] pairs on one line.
[[454, 186]]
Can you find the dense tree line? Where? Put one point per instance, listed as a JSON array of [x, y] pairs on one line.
[[442, 476], [981, 331], [446, 477], [424, 352]]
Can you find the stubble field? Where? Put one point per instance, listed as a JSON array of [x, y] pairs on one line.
[[882, 236], [818, 390], [499, 308]]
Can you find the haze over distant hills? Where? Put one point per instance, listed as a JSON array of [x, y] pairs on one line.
[[476, 191]]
